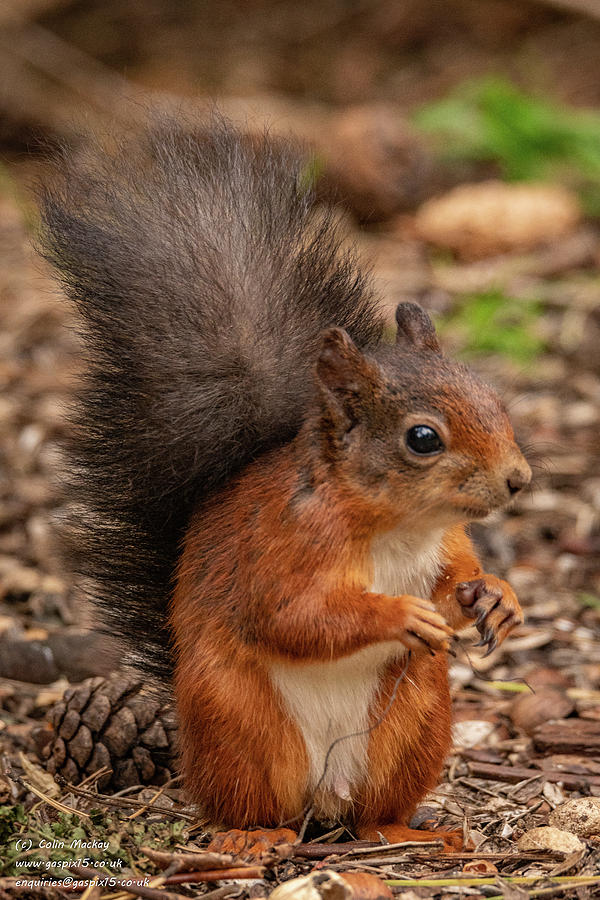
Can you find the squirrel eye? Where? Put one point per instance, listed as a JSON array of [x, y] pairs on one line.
[[423, 440]]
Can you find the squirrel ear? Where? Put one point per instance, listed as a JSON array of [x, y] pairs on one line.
[[344, 371], [415, 328]]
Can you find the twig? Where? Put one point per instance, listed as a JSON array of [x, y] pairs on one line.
[[92, 891], [93, 778], [555, 889], [515, 774], [121, 804], [61, 807], [228, 890], [138, 890], [152, 800], [218, 875], [357, 849], [190, 861], [572, 880], [307, 818]]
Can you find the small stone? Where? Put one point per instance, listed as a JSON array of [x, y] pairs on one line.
[[30, 661], [375, 161]]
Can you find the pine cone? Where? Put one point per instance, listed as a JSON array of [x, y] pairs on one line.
[[114, 722]]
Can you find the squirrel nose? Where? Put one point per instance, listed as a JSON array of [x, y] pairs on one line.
[[517, 480]]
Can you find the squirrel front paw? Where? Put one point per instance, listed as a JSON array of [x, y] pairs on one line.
[[494, 606], [423, 626]]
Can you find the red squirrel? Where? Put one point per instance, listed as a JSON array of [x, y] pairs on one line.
[[269, 500]]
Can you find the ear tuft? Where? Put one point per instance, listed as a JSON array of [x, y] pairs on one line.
[[415, 328]]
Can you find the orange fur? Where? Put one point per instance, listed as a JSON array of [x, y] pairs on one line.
[[267, 575], [462, 565], [407, 750]]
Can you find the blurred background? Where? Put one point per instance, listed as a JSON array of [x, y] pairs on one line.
[[461, 141]]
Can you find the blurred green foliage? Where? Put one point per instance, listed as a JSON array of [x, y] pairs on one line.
[[492, 322], [528, 138]]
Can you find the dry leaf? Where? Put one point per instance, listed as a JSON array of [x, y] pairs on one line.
[[549, 838], [482, 866], [38, 777], [366, 887], [486, 219]]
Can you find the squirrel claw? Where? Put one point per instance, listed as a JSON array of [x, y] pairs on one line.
[[487, 637], [493, 605], [492, 644]]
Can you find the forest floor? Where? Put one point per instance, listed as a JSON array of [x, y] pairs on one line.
[[527, 718]]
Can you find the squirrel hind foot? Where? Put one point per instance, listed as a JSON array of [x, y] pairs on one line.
[[252, 845], [453, 841]]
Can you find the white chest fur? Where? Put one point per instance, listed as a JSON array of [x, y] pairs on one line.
[[329, 701]]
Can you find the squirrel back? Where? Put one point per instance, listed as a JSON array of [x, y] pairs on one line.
[[203, 273]]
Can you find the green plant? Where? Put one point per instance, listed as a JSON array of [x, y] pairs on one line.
[[591, 601], [528, 138], [492, 322], [109, 841]]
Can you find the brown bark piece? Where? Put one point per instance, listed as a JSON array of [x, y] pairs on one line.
[[568, 736], [515, 774]]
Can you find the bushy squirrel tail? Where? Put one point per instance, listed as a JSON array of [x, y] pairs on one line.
[[203, 274]]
